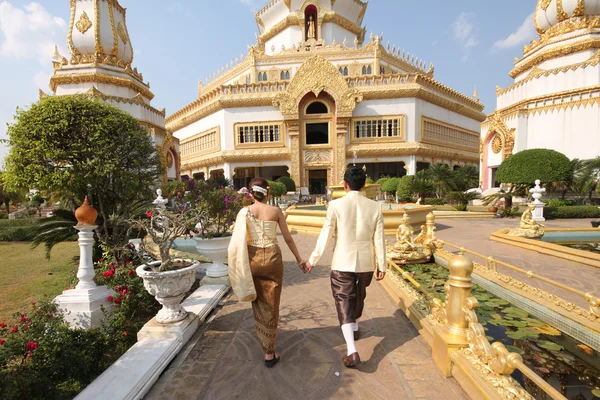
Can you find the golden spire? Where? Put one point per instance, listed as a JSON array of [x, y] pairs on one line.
[[475, 94]]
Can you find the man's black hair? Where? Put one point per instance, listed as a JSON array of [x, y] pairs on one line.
[[355, 177]]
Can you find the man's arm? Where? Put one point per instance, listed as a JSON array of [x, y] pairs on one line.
[[329, 227], [379, 244]]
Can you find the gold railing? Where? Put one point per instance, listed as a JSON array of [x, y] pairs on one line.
[[492, 264]]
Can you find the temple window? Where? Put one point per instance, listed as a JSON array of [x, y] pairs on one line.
[[202, 143], [367, 70], [382, 70], [262, 77], [435, 132], [317, 108], [310, 23], [285, 75], [258, 133], [248, 80], [382, 127], [344, 71], [317, 133]]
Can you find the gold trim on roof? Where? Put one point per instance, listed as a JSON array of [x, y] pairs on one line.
[[98, 77]]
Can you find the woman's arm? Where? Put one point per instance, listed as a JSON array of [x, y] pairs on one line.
[[287, 236]]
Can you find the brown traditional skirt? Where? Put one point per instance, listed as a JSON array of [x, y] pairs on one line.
[[267, 272]]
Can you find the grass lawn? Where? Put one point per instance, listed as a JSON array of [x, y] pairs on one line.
[[28, 276]]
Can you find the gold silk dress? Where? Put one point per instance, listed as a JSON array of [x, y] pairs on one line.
[[266, 265]]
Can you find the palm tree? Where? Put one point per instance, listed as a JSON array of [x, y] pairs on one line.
[[466, 177], [422, 185], [463, 199], [442, 177]]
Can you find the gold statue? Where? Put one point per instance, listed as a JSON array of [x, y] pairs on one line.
[[404, 235], [311, 28], [528, 227], [406, 249]]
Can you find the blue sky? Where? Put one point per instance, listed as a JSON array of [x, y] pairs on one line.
[[471, 42]]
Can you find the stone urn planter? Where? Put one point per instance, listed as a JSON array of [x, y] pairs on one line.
[[168, 288], [215, 250], [493, 209]]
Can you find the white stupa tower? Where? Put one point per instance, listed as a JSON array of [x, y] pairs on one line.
[[100, 65]]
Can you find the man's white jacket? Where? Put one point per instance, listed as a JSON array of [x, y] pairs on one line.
[[357, 224]]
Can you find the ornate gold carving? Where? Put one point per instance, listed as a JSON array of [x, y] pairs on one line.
[[570, 25], [250, 155], [122, 33], [72, 79], [443, 134], [98, 47], [318, 157], [170, 160], [497, 144], [544, 4], [115, 50], [497, 126], [317, 75], [340, 149], [411, 148], [580, 9], [84, 23], [137, 100], [555, 52], [560, 12]]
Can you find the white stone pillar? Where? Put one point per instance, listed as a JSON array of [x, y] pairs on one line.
[[83, 305], [411, 167], [536, 193]]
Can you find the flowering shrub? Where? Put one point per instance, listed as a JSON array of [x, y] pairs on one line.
[[217, 207], [42, 358]]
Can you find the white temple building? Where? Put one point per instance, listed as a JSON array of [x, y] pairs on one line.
[[315, 94], [100, 66], [554, 102]]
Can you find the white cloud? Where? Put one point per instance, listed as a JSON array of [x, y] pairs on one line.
[[41, 80], [30, 32], [466, 32], [524, 34]]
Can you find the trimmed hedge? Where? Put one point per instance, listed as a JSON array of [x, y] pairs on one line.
[[560, 203], [288, 182], [17, 230], [524, 167], [390, 185], [404, 189], [571, 212]]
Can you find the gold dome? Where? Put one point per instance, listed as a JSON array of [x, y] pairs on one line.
[[550, 13]]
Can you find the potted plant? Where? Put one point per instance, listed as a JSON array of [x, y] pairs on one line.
[[216, 208], [168, 280]]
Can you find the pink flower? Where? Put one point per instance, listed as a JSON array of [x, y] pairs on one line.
[[31, 346], [101, 259]]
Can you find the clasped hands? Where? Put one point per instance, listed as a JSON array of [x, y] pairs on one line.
[[306, 267]]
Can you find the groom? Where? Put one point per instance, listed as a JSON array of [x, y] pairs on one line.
[[357, 224]]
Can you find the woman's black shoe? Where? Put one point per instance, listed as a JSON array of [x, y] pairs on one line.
[[271, 363]]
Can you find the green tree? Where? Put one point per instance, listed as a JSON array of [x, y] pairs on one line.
[[442, 177], [277, 189], [463, 199], [288, 182], [422, 185], [72, 146], [390, 186], [526, 166], [8, 196], [404, 190]]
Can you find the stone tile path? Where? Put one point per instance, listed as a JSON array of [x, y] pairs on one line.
[[224, 359], [474, 234]]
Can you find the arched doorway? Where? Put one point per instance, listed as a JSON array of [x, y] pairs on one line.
[[317, 120]]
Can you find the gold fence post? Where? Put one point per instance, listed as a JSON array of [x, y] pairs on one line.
[[452, 336]]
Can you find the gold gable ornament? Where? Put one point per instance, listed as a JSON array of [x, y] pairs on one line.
[[84, 23]]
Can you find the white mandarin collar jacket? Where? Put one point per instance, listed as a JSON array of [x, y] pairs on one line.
[[357, 224]]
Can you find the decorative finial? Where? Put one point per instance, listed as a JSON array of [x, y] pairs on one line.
[[86, 214]]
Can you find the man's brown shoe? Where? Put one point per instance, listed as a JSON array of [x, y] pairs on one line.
[[357, 334], [351, 361]]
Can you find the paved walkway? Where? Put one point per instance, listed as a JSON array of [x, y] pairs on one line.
[[474, 234], [224, 359]]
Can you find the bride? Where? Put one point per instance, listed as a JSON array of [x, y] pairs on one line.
[[256, 264]]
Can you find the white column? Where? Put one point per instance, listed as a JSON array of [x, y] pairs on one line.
[[83, 305], [412, 166]]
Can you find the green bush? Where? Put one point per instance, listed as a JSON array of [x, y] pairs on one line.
[[370, 181], [390, 186], [560, 203], [288, 182], [3, 216], [17, 234], [14, 223], [435, 202], [526, 166], [278, 189], [461, 207], [404, 189], [38, 199], [571, 212], [382, 180]]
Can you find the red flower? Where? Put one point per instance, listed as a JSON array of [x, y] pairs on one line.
[[124, 333], [110, 298], [130, 272], [31, 346], [2, 325], [129, 262], [68, 287], [2, 341], [118, 288], [101, 259], [50, 315], [14, 329], [149, 214], [117, 301], [23, 319]]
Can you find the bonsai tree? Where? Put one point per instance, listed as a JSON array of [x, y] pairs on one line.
[[390, 186], [277, 189], [526, 166], [404, 190], [288, 182]]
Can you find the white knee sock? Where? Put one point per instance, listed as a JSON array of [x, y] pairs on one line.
[[355, 325], [348, 332]]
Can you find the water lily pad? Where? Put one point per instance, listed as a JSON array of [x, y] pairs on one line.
[[548, 330], [545, 344], [514, 349], [489, 338], [523, 333], [515, 312], [535, 322]]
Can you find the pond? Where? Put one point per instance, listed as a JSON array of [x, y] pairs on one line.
[[571, 367], [591, 247]]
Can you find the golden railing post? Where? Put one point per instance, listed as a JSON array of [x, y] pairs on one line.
[[452, 336]]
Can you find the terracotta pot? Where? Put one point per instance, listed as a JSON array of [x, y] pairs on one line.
[[493, 209]]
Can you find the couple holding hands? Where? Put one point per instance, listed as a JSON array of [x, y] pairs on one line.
[[256, 264]]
